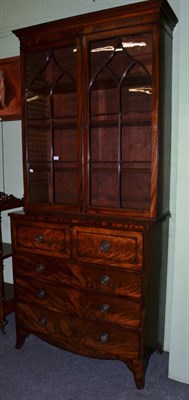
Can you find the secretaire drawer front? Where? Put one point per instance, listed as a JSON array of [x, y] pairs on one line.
[[80, 335], [112, 247], [48, 238], [89, 276]]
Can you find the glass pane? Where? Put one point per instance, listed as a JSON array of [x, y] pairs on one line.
[[120, 114], [37, 85], [104, 101], [39, 141], [66, 183], [103, 85], [104, 144], [135, 187], [136, 143], [39, 183], [37, 67], [51, 109], [104, 186], [65, 151], [65, 145], [37, 106], [136, 96], [64, 64], [64, 82], [65, 104]]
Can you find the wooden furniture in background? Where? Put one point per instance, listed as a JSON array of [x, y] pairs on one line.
[[89, 249], [10, 90], [7, 305]]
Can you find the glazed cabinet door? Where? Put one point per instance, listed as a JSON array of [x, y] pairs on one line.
[[52, 127], [119, 136], [92, 124]]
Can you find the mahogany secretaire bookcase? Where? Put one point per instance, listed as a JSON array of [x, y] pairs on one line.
[[90, 247]]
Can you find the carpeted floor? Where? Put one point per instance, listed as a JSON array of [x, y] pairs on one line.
[[40, 371]]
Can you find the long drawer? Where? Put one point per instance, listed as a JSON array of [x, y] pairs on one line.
[[78, 275], [82, 336], [110, 247], [83, 303]]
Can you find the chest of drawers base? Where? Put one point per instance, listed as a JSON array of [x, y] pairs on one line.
[[90, 290]]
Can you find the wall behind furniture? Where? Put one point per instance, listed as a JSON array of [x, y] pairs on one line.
[[18, 13], [179, 337]]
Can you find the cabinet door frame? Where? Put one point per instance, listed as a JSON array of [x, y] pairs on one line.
[[76, 43], [143, 29]]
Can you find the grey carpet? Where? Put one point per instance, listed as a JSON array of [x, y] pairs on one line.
[[40, 371]]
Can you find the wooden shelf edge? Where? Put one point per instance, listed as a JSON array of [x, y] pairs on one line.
[[7, 202]]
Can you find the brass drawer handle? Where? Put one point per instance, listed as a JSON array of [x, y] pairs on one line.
[[40, 268], [104, 338], [42, 321], [105, 280], [105, 246], [41, 293], [39, 238], [105, 308]]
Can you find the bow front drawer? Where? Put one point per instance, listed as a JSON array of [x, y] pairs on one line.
[[105, 246], [82, 303], [81, 276], [82, 336]]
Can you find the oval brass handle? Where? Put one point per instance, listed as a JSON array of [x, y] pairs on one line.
[[42, 321], [41, 293], [105, 308], [40, 268], [104, 338], [105, 280], [39, 238], [105, 246]]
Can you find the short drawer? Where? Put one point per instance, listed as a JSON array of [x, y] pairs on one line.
[[82, 336], [42, 237], [77, 275], [82, 303], [111, 247]]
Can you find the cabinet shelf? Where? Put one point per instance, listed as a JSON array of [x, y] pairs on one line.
[[50, 90], [114, 124], [35, 124], [126, 119], [7, 202]]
